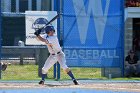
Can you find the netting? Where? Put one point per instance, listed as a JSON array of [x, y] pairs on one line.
[[91, 37], [86, 36], [24, 62]]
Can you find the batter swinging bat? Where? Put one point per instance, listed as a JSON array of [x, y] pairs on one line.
[[57, 16]]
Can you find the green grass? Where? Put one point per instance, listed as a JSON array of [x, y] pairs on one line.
[[18, 72], [30, 72], [84, 73]]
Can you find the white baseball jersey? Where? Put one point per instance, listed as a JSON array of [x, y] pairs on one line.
[[56, 54], [55, 44]]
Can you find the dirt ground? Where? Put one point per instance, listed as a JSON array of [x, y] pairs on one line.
[[113, 86]]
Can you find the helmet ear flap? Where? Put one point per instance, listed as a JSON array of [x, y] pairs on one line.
[[53, 30], [47, 32]]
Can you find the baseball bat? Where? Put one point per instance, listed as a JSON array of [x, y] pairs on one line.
[[57, 16], [54, 18]]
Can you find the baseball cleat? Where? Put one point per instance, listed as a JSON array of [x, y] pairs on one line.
[[75, 82], [41, 82]]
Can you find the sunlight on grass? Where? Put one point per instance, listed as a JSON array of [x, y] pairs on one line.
[[30, 72]]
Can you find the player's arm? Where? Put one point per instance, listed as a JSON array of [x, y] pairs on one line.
[[126, 61], [37, 33], [42, 39]]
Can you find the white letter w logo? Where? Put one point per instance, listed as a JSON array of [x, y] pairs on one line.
[[83, 17]]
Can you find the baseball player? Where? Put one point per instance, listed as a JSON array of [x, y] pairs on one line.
[[56, 53]]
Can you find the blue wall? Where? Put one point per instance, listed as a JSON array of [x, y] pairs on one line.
[[93, 32]]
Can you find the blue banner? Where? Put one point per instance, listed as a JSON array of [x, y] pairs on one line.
[[93, 32]]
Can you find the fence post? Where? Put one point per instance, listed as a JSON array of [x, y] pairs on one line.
[[56, 7], [59, 34], [21, 59], [0, 39], [37, 56], [0, 69], [58, 71], [123, 29], [54, 71], [42, 58]]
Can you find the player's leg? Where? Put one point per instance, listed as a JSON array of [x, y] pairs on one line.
[[138, 70], [127, 71], [62, 62], [48, 64]]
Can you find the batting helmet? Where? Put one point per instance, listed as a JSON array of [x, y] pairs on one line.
[[49, 28]]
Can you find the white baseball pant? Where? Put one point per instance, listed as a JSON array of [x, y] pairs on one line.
[[52, 59]]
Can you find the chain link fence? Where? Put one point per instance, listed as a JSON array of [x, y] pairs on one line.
[[87, 30], [25, 62]]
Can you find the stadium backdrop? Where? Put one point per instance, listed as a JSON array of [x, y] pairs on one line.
[[93, 32]]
